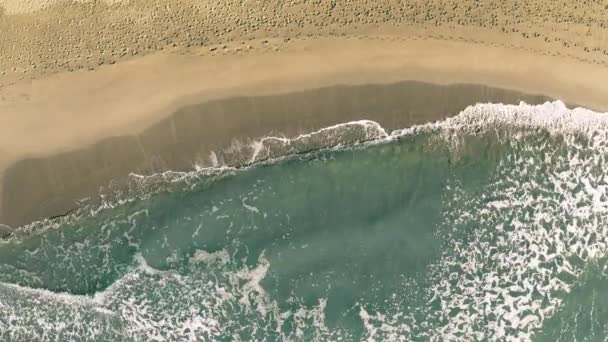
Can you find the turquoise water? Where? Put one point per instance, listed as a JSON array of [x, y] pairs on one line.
[[490, 225]]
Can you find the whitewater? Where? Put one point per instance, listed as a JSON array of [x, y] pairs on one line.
[[489, 225]]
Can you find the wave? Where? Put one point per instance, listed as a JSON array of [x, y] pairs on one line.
[[510, 202]]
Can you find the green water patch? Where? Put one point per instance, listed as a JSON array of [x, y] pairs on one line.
[[337, 231]]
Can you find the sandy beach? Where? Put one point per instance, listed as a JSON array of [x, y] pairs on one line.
[[303, 170], [87, 114]]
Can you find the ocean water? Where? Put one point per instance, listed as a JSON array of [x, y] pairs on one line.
[[490, 225]]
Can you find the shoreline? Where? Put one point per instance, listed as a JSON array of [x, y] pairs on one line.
[[128, 97], [122, 102], [246, 158], [222, 131]]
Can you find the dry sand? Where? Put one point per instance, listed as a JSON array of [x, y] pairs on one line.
[[75, 73], [84, 34]]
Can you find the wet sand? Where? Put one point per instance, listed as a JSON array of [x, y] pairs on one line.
[[88, 88], [38, 188]]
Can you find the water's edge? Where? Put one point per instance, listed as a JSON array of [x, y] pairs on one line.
[[270, 150], [222, 132]]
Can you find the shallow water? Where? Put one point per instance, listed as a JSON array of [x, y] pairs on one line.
[[487, 226]]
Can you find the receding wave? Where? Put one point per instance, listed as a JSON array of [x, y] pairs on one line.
[[489, 225]]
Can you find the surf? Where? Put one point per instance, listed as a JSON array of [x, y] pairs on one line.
[[479, 226]]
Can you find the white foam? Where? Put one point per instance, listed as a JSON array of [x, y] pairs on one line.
[[249, 207], [220, 257], [577, 191], [57, 297], [252, 286], [371, 129], [552, 116], [379, 327]]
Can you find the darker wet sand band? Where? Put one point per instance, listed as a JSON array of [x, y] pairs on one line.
[[35, 189]]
